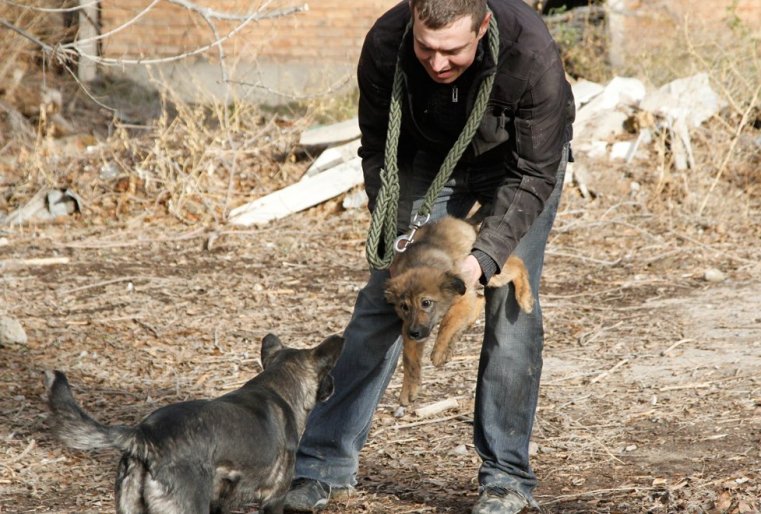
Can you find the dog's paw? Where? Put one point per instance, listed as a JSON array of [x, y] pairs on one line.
[[440, 358], [404, 397], [526, 302], [408, 395]]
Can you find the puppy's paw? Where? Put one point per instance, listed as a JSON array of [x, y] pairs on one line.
[[439, 358], [526, 301], [404, 397], [408, 395]]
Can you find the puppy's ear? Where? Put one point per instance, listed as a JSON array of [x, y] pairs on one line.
[[328, 351], [391, 291], [453, 283], [326, 388], [270, 346]]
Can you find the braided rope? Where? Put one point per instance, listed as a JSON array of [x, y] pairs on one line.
[[383, 223]]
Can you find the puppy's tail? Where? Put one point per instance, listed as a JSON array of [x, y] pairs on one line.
[[74, 427]]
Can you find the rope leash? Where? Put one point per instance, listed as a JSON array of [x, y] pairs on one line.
[[383, 222]]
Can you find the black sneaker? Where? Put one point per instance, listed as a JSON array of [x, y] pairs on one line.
[[307, 495], [499, 500]]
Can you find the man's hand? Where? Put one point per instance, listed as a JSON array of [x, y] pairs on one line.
[[471, 271]]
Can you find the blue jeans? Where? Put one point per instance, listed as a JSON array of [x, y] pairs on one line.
[[510, 364]]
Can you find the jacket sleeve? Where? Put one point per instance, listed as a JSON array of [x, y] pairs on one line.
[[541, 123], [374, 99]]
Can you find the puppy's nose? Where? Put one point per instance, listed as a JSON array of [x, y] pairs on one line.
[[414, 333]]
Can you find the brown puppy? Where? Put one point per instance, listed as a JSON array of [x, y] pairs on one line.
[[210, 456], [426, 288]]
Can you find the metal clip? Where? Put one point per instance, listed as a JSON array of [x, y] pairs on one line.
[[402, 242]]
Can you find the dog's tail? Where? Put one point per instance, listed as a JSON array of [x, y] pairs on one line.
[[75, 427]]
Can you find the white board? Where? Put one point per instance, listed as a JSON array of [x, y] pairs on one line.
[[299, 196]]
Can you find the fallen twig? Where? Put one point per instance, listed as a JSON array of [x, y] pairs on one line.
[[606, 373], [24, 263], [99, 284], [673, 346]]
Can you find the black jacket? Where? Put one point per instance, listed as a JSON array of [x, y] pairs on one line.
[[526, 124]]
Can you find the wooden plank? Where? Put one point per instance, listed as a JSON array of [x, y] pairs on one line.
[[299, 196], [331, 134], [332, 157]]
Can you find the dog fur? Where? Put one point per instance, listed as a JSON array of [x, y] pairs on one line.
[[208, 456], [426, 289]]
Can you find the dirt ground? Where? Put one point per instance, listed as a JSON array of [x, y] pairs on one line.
[[651, 391]]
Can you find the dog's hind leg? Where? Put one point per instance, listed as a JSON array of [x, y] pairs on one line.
[[461, 315], [183, 488], [130, 481], [412, 357], [273, 505], [515, 271]]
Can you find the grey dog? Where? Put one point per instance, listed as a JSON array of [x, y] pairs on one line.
[[208, 456]]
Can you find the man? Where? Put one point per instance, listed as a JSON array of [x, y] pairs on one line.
[[449, 58]]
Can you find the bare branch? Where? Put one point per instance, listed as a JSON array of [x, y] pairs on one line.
[[48, 9], [254, 16], [46, 47]]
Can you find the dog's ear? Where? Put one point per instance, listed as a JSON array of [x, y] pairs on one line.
[[326, 388], [328, 351], [453, 283], [326, 354], [391, 291], [270, 346]]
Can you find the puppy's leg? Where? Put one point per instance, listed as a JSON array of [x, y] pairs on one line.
[[411, 377], [461, 315], [515, 271]]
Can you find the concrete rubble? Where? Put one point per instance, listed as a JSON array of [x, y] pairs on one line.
[[614, 121]]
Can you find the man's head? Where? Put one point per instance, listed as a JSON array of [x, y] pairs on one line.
[[446, 34]]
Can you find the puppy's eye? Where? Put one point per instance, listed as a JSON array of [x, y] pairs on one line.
[[426, 303], [405, 307]]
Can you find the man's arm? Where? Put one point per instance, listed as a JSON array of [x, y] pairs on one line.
[[374, 99], [541, 122]]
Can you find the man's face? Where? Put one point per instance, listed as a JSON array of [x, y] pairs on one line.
[[447, 52]]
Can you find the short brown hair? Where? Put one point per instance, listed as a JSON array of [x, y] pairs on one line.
[[436, 14]]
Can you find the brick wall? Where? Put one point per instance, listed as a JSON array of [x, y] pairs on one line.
[[639, 27], [308, 53], [331, 30]]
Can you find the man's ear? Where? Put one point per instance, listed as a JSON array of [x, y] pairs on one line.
[[484, 25]]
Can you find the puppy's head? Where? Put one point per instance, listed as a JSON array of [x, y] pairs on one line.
[[421, 297]]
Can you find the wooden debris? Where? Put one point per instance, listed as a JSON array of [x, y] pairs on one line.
[[332, 157], [435, 408], [299, 196], [10, 264], [611, 370], [331, 134]]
